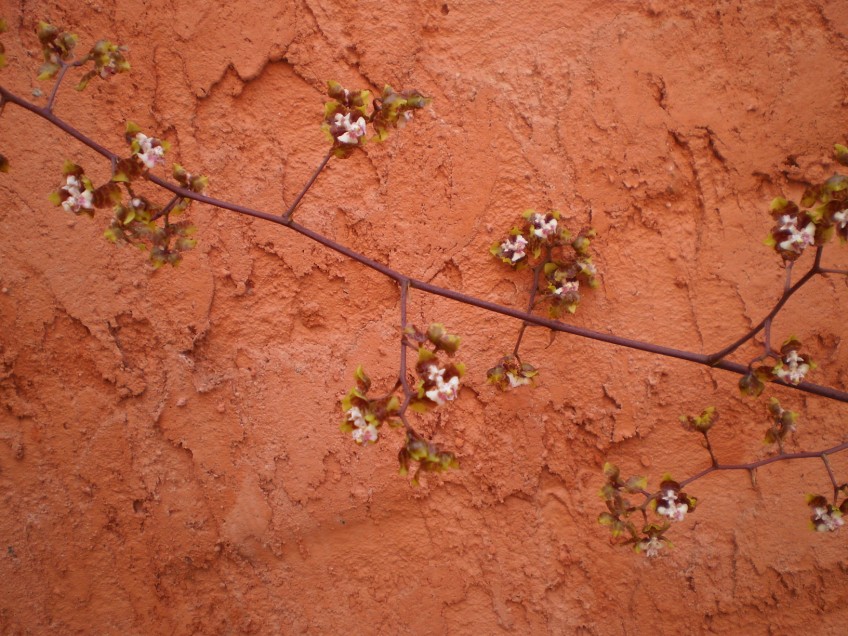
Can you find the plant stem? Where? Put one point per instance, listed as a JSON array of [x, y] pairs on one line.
[[288, 213], [763, 462], [536, 271], [787, 293], [714, 360]]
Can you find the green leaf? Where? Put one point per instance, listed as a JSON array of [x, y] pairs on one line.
[[636, 484], [47, 71], [606, 519], [611, 472], [362, 379], [840, 153]]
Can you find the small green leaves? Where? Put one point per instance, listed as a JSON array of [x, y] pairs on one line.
[[430, 458], [793, 367], [57, 48], [395, 110], [783, 423], [363, 416], [108, 60], [441, 339], [701, 423], [825, 516], [840, 153], [511, 373], [564, 260], [753, 382], [347, 116], [825, 215], [3, 28]]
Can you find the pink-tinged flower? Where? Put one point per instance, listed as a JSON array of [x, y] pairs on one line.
[[444, 391], [672, 503], [77, 199], [150, 151], [651, 546], [365, 435], [668, 506], [793, 368], [513, 248], [516, 379], [795, 239], [434, 373], [567, 290], [827, 519], [346, 131], [542, 227], [363, 432]]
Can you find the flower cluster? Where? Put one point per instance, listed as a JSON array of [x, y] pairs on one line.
[[541, 241], [825, 516], [363, 416], [135, 222], [149, 152], [438, 380], [537, 232], [395, 110], [793, 366], [671, 503], [824, 213], [701, 423], [347, 115], [652, 540], [429, 457], [57, 46], [108, 60], [78, 194], [783, 423], [511, 373]]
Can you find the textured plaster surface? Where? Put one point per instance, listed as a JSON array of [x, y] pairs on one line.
[[170, 460]]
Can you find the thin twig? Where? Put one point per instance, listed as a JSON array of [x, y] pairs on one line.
[[288, 213], [780, 457], [787, 294], [536, 271]]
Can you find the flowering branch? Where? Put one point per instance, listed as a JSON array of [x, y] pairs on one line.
[[554, 325], [671, 503]]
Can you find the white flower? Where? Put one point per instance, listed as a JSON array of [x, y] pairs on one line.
[[515, 246], [827, 521], [364, 432], [569, 286], [516, 379], [668, 506], [434, 373], [352, 130], [541, 228], [651, 547], [150, 155], [444, 391], [795, 368], [798, 238], [841, 218], [78, 199]]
